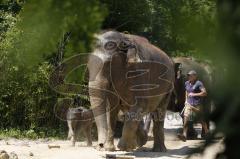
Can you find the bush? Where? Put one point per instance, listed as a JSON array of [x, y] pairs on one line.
[[26, 49]]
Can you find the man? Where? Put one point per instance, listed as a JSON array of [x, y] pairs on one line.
[[195, 91]]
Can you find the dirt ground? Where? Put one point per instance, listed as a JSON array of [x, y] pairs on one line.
[[176, 149]]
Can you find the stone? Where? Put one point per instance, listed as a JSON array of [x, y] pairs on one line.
[[2, 151], [13, 155], [53, 146], [4, 155], [30, 154]]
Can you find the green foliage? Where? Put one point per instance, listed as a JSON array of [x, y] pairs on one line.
[[43, 23], [173, 25], [32, 134], [178, 24], [226, 56], [29, 38], [131, 16], [26, 99]]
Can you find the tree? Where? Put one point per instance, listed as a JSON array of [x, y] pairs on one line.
[[30, 33], [170, 24]]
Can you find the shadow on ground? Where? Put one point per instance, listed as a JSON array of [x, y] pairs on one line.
[[172, 153]]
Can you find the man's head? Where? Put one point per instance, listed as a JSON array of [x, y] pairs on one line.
[[192, 76]]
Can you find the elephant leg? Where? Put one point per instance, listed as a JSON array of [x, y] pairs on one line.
[[128, 141], [147, 122], [206, 110], [87, 133], [158, 126], [111, 120], [191, 132], [142, 134], [158, 133], [73, 139], [203, 132], [98, 105], [71, 131], [102, 130]]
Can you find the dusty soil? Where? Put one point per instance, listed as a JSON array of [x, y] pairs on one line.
[[176, 149]]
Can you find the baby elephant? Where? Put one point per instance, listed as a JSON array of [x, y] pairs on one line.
[[79, 120]]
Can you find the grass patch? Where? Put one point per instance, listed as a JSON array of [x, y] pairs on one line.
[[32, 134]]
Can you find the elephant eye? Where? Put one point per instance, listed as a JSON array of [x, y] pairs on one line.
[[110, 45], [125, 45]]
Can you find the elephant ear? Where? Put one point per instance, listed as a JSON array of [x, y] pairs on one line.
[[132, 56]]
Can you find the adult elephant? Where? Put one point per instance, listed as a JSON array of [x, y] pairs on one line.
[[127, 72]]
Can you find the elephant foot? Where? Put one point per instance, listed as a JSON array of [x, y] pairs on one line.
[[142, 138], [127, 146], [100, 147], [109, 147], [105, 147], [160, 148], [73, 141]]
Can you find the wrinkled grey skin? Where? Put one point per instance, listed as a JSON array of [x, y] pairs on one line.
[[107, 70], [77, 124]]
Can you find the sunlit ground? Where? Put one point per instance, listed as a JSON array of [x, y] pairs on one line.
[[176, 148]]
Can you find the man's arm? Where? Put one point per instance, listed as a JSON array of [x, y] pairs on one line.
[[203, 92]]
